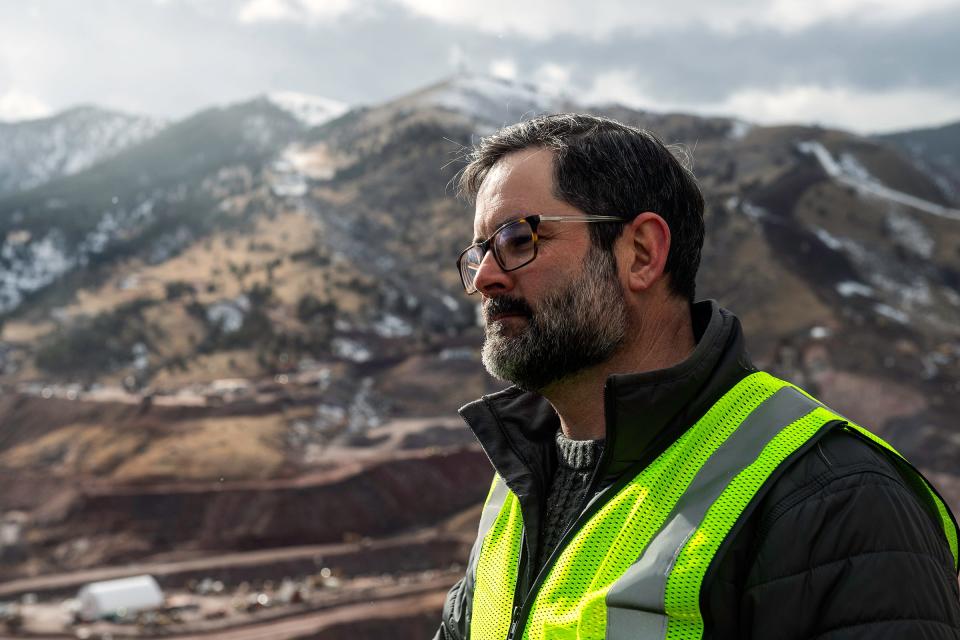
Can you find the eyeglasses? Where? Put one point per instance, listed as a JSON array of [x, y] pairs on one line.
[[514, 245]]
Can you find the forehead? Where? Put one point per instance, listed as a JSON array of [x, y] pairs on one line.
[[519, 183]]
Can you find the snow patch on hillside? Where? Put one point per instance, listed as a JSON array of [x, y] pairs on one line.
[[40, 150], [285, 179], [30, 266], [310, 110], [311, 162], [905, 288], [849, 288], [352, 350], [739, 129], [229, 314], [847, 170], [111, 225], [29, 262], [909, 291], [827, 238], [893, 314], [850, 247], [392, 326], [910, 235], [752, 211]]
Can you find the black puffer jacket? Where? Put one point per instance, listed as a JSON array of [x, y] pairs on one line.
[[837, 547]]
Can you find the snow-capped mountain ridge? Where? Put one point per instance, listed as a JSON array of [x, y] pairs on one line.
[[491, 101], [36, 151], [312, 111]]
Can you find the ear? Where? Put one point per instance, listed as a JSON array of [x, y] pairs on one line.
[[646, 244]]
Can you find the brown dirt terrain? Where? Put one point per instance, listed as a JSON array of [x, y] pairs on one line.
[[375, 480], [369, 499], [416, 475]]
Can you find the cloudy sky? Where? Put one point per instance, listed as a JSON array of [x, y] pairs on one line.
[[864, 65]]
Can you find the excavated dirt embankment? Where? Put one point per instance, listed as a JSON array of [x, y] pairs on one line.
[[371, 499]]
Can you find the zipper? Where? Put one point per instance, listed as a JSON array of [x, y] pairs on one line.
[[520, 613], [521, 585], [589, 505], [514, 619]]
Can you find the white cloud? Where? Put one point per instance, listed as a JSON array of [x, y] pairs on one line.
[[504, 68], [311, 11], [553, 78], [18, 105], [621, 86], [796, 14], [847, 108], [457, 58], [546, 18], [840, 107]]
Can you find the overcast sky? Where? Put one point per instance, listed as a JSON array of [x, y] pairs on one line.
[[864, 65]]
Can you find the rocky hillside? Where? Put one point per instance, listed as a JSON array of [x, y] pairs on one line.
[[265, 292], [936, 151], [38, 151]]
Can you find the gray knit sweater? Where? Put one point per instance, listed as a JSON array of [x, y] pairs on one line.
[[577, 460]]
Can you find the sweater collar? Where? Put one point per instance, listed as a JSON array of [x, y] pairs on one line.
[[645, 412]]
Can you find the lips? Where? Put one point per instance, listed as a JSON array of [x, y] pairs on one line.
[[504, 316], [503, 307]]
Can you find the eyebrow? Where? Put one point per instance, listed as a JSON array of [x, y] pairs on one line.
[[519, 216]]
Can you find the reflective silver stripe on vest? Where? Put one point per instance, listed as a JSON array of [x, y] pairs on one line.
[[498, 494], [635, 602], [492, 509]]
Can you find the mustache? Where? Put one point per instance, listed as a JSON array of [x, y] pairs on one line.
[[501, 305]]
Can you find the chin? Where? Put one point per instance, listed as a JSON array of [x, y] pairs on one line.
[[508, 326]]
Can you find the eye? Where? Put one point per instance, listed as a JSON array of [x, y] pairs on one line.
[[516, 237]]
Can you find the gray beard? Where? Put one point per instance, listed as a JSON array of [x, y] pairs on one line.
[[575, 328]]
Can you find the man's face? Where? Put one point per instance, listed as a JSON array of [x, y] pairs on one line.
[[579, 325], [562, 313]]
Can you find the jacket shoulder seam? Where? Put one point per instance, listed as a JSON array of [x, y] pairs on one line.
[[937, 561], [819, 487]]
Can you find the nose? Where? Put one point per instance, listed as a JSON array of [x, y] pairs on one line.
[[491, 280]]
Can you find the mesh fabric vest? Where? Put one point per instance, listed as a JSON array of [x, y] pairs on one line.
[[634, 566]]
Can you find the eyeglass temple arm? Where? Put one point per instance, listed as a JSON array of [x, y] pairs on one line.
[[583, 218]]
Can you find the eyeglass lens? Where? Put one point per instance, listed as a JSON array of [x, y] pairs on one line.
[[513, 246]]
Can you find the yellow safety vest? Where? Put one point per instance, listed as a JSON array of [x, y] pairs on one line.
[[634, 567]]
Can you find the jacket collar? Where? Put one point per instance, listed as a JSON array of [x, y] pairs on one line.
[[645, 412]]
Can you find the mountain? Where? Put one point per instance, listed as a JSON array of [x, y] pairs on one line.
[[148, 199], [245, 241], [936, 150], [36, 151], [312, 111], [488, 102], [251, 325]]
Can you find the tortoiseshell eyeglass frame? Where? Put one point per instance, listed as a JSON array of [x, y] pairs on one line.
[[533, 221]]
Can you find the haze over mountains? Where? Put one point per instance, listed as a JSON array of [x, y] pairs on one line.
[[37, 151], [249, 311]]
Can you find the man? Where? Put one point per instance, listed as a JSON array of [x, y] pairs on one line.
[[650, 482]]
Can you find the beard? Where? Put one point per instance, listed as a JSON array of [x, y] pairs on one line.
[[570, 330]]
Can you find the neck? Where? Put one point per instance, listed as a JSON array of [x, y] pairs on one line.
[[661, 338]]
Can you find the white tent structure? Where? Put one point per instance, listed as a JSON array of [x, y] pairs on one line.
[[99, 599]]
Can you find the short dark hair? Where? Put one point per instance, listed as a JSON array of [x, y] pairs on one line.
[[604, 167]]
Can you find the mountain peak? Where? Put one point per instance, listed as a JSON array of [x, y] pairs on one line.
[[491, 100], [311, 110]]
